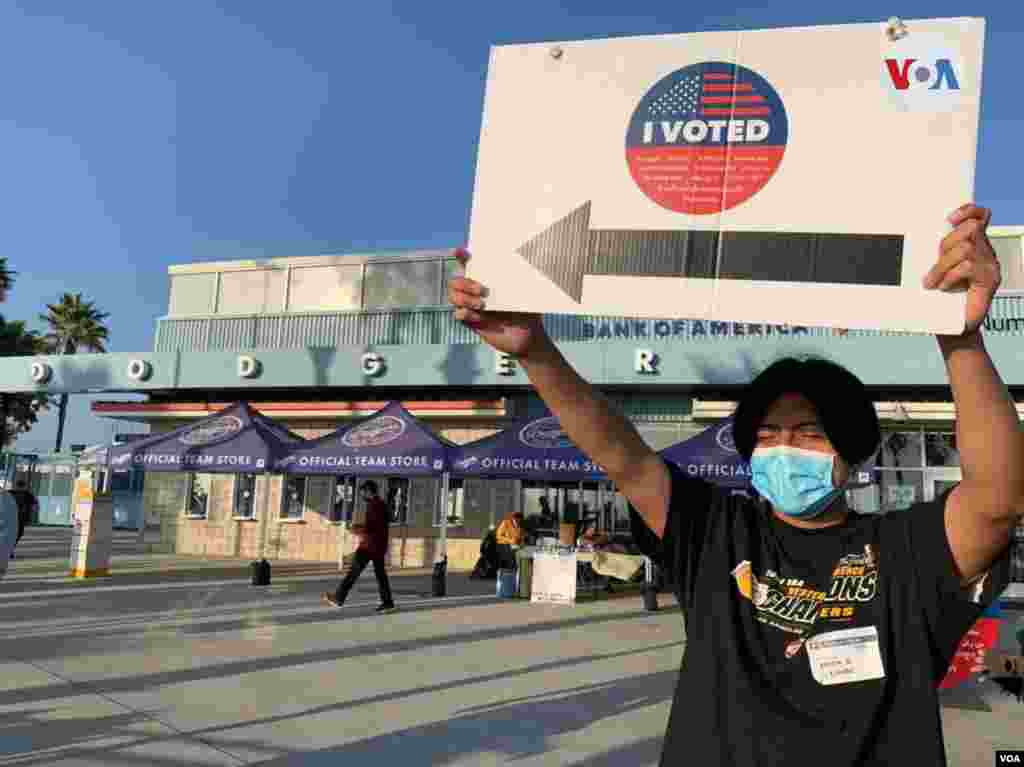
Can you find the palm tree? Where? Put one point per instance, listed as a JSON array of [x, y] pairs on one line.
[[74, 325], [6, 279], [20, 409]]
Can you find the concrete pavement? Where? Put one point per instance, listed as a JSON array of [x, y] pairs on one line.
[[175, 661]]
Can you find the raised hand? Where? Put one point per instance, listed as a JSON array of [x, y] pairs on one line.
[[968, 262], [509, 332]]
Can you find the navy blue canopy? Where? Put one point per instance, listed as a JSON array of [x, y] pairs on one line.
[[711, 455], [391, 441], [236, 440], [532, 448]]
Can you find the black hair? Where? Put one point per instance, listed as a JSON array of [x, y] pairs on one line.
[[369, 485], [845, 409]]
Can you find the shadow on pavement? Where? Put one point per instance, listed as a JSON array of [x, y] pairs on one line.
[[516, 728], [220, 670], [512, 730]]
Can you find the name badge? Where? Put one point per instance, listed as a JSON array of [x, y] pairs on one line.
[[850, 655]]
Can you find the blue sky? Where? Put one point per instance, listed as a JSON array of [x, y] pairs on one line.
[[138, 135]]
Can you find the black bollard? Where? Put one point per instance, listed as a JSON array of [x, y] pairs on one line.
[[260, 573], [439, 585], [650, 594]]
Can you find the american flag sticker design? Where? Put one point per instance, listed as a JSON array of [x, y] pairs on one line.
[[706, 138]]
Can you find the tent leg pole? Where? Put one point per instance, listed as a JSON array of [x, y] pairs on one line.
[[440, 576], [443, 542]]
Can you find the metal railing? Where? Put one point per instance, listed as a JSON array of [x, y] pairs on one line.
[[435, 325]]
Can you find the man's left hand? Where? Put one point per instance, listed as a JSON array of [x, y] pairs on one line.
[[968, 262]]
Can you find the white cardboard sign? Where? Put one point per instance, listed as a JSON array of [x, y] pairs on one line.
[[791, 176], [554, 578]]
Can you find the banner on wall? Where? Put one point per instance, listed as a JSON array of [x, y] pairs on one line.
[[683, 175]]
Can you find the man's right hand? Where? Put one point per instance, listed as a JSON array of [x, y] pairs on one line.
[[598, 429], [510, 332]]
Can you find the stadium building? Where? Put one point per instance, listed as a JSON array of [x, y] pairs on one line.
[[317, 342]]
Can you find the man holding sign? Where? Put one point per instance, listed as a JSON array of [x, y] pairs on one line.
[[813, 633]]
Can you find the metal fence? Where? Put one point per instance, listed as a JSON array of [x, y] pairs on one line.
[[51, 478], [436, 325]]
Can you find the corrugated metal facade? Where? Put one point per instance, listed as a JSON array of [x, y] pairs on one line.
[[435, 325]]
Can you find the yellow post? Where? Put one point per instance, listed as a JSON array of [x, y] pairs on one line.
[[92, 517]]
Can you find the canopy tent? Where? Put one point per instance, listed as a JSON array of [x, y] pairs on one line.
[[531, 448], [711, 455], [390, 442], [236, 440]]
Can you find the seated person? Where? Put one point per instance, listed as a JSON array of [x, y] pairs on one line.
[[510, 537]]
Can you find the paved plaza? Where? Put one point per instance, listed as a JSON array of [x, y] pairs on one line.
[[178, 661]]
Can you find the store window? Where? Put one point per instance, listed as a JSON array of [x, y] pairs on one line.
[[192, 294], [396, 496], [1008, 251], [940, 450], [293, 502], [902, 450], [402, 284], [245, 496], [456, 506], [1017, 555], [342, 499], [538, 505], [197, 504], [452, 269], [251, 291], [325, 288]]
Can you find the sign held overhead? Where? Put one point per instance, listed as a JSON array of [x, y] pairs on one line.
[[717, 176]]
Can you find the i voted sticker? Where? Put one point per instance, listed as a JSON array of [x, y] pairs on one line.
[[849, 655]]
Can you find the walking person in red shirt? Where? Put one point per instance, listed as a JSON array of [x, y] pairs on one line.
[[373, 547]]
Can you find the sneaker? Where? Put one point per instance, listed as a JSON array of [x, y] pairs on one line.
[[330, 599], [386, 608]]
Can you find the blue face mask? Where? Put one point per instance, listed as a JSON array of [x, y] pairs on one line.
[[796, 482]]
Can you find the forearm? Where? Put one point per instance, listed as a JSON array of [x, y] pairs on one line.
[[989, 435], [590, 420]]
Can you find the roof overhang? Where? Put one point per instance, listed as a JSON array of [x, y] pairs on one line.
[[330, 411]]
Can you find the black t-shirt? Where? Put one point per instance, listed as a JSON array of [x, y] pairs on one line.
[[810, 646]]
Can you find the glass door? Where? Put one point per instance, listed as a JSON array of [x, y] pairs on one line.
[[939, 481]]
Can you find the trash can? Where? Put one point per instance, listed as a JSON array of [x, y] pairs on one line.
[[506, 585], [650, 594], [260, 573], [439, 585]]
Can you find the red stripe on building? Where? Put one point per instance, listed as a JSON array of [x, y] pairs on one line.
[[718, 76]]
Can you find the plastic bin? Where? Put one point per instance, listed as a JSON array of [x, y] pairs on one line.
[[506, 585]]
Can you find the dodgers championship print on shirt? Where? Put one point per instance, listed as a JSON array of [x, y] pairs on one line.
[[795, 607]]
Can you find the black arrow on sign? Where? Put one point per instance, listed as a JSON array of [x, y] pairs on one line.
[[570, 249]]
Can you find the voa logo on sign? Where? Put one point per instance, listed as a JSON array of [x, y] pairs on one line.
[[927, 81]]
